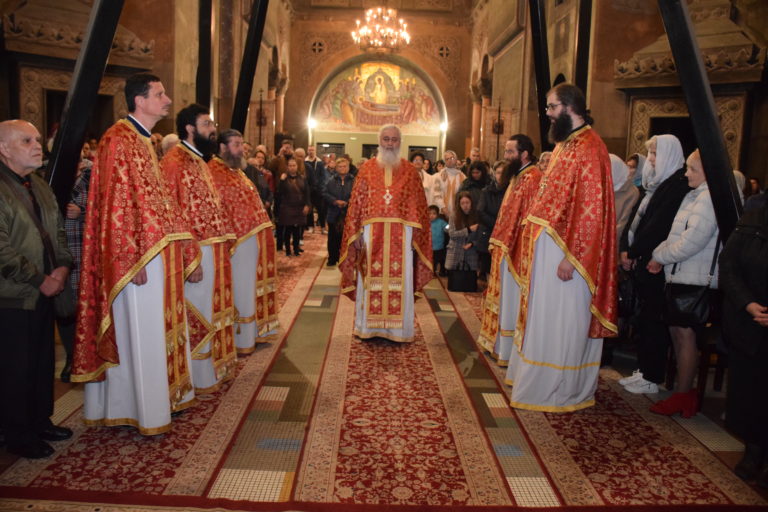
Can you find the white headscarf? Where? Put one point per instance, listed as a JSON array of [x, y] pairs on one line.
[[669, 158], [620, 172]]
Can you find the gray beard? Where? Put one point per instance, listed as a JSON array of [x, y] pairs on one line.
[[233, 161], [388, 157]]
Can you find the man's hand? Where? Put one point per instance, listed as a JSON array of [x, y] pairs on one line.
[[626, 263], [467, 246], [759, 313], [565, 270], [197, 275], [73, 211], [654, 267], [140, 278], [51, 286], [283, 177], [473, 227], [340, 203]]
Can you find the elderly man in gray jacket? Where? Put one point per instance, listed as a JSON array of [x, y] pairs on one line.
[[29, 279]]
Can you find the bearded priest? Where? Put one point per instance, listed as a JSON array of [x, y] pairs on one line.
[[210, 312], [386, 249], [565, 258], [254, 271]]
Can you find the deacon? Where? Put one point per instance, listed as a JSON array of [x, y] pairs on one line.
[[210, 310], [452, 178], [565, 257], [387, 222], [254, 252], [131, 343], [502, 297]]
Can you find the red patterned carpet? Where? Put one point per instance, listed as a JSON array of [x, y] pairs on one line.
[[380, 426]]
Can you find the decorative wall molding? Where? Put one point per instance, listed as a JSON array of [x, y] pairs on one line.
[[40, 37], [730, 110], [34, 82]]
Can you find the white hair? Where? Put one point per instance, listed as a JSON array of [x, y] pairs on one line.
[[391, 127]]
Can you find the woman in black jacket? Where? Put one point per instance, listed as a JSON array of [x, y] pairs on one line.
[[337, 192], [744, 281], [488, 211]]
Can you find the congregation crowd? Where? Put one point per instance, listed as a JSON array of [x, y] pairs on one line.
[[175, 238]]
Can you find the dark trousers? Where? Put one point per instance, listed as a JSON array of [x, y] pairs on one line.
[[289, 235], [322, 210], [484, 259], [746, 405], [438, 259], [335, 231], [26, 371], [653, 333]]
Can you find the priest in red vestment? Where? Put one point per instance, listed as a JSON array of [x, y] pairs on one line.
[[210, 308], [502, 297], [254, 253], [386, 248], [565, 257], [131, 345]]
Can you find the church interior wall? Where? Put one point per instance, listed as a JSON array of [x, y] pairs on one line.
[[185, 24]]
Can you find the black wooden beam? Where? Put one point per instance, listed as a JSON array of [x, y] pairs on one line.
[[81, 97], [541, 66], [248, 66], [203, 79], [581, 76], [701, 107]]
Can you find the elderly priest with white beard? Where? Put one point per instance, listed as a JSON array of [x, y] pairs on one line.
[[386, 249]]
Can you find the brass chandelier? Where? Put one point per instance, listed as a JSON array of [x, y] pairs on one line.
[[381, 31]]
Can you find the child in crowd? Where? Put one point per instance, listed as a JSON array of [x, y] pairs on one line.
[[438, 225]]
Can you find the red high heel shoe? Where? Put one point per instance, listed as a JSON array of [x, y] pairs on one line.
[[685, 403]]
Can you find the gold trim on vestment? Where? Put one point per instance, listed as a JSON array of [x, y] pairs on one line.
[[118, 422], [215, 387], [577, 265], [217, 239], [382, 334], [255, 231], [553, 408], [191, 309]]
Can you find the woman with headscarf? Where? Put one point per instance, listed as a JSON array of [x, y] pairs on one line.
[[625, 193], [665, 184]]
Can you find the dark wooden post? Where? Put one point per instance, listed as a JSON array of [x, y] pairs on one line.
[[541, 66], [581, 77], [203, 78], [81, 96], [701, 107], [248, 66]]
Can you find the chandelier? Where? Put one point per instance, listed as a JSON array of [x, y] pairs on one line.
[[381, 31]]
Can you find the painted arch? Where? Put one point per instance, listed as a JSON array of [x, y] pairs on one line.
[[365, 93]]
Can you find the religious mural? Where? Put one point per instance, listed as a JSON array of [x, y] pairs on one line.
[[366, 96]]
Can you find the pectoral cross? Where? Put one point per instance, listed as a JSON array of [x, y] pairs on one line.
[[387, 197], [387, 183]]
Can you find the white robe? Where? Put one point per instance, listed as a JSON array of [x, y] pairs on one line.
[[200, 294], [244, 262], [407, 331], [136, 391], [433, 189], [450, 181], [509, 305], [557, 368]]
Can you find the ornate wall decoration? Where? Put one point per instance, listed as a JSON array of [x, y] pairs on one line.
[[34, 82], [40, 36], [331, 42], [446, 49], [730, 110], [433, 5], [365, 96]]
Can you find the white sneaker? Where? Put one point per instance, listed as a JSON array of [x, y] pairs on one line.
[[301, 242], [642, 387], [311, 231], [636, 376]]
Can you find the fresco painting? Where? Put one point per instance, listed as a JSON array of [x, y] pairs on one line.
[[366, 96]]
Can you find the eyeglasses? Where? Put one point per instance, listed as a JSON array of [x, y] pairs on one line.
[[552, 106], [209, 122]]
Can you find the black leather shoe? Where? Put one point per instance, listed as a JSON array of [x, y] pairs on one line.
[[66, 372], [749, 465], [31, 449], [54, 433]]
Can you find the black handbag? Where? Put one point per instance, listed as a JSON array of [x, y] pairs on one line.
[[689, 305], [462, 279]]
